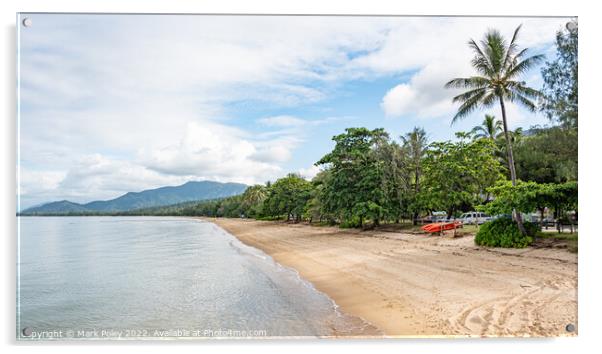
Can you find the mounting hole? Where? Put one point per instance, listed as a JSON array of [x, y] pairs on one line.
[[571, 25], [27, 331], [570, 327], [27, 22]]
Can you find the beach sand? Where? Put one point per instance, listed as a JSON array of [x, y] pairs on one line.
[[417, 285]]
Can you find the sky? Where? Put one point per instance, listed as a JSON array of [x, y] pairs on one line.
[[110, 104]]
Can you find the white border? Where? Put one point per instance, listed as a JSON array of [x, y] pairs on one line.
[[590, 128]]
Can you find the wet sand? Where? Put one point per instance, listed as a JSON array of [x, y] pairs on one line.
[[414, 285]]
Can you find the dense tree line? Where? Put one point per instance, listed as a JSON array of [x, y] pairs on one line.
[[369, 179]]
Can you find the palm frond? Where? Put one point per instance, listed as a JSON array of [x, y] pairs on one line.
[[490, 99], [481, 60], [523, 66], [520, 54], [482, 66], [463, 97], [473, 82], [479, 132], [512, 47], [488, 128], [490, 124], [499, 126], [523, 90], [495, 49], [523, 101], [468, 106]]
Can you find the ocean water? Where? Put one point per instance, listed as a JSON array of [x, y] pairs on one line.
[[157, 277]]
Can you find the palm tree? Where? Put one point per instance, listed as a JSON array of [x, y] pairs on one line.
[[253, 197], [415, 143], [490, 128], [515, 139], [499, 66], [516, 135]]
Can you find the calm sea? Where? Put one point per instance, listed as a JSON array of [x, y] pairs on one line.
[[157, 277]]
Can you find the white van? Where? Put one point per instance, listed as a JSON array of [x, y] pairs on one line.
[[474, 217]]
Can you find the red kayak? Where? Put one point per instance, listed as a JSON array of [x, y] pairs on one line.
[[442, 226]]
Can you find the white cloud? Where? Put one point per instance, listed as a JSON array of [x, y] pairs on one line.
[[423, 96], [90, 177], [287, 121], [107, 178], [274, 153], [39, 182], [398, 99], [310, 172], [282, 121], [216, 152]]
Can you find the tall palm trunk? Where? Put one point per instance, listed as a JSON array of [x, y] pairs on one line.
[[416, 190], [515, 214]]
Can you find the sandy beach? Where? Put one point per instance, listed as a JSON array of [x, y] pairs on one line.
[[414, 285]]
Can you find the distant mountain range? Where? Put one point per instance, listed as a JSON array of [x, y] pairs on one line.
[[190, 191]]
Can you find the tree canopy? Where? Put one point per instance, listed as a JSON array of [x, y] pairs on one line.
[[458, 174], [354, 191], [288, 196], [531, 196], [548, 155], [489, 129], [561, 78]]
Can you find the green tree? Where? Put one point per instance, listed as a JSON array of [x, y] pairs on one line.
[[501, 152], [548, 155], [288, 196], [527, 197], [524, 197], [457, 174], [228, 207], [415, 144], [314, 209], [252, 200], [561, 78], [354, 190], [489, 129], [499, 65], [394, 178]]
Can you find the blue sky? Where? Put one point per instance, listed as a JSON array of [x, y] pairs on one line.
[[118, 103]]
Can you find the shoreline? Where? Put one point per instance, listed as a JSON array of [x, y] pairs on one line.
[[413, 285]]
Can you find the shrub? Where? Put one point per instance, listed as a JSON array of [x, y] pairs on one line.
[[504, 232], [351, 223]]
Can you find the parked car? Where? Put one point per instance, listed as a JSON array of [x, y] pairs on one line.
[[474, 217], [501, 216], [548, 221], [436, 216], [439, 216]]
